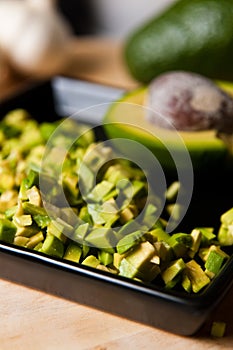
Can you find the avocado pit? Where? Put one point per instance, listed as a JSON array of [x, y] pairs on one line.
[[188, 102]]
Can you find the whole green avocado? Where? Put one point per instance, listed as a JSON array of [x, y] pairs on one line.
[[192, 35]]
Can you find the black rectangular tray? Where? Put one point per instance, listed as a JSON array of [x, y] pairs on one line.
[[169, 310]]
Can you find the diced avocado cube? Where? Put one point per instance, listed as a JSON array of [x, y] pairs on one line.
[[171, 284], [33, 209], [227, 217], [27, 231], [173, 269], [134, 188], [164, 251], [7, 181], [105, 258], [110, 220], [129, 241], [160, 223], [70, 185], [218, 329], [112, 194], [95, 212], [126, 269], [100, 190], [143, 252], [130, 271], [80, 233], [102, 238], [225, 235], [109, 212], [138, 261], [41, 220], [7, 230], [150, 210], [196, 241], [175, 211], [34, 196], [46, 129], [117, 258], [214, 262], [155, 259], [53, 246], [160, 235], [96, 155], [151, 220], [87, 136], [35, 240], [91, 261], [180, 243], [126, 215], [23, 190], [196, 275], [70, 215], [203, 253], [129, 227], [9, 213], [73, 252], [86, 177], [207, 235], [124, 184], [85, 216], [218, 250], [21, 241], [23, 220], [172, 191], [60, 229], [186, 283], [31, 136], [7, 201], [18, 116], [117, 172], [32, 179], [149, 272], [64, 226], [38, 247], [110, 207], [85, 250]]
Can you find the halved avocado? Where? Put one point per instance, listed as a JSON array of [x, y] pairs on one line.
[[126, 119]]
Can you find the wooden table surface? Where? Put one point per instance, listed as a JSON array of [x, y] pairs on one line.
[[31, 319]]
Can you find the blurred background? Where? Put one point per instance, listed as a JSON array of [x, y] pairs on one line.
[[35, 42], [33, 48], [109, 18]]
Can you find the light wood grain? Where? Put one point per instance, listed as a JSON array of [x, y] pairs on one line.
[[34, 320], [30, 319]]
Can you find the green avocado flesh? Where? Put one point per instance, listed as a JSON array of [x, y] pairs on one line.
[[126, 119], [110, 219]]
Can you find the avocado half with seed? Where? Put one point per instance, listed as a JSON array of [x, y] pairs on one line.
[[127, 119]]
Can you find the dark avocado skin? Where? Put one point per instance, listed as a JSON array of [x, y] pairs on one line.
[[192, 35]]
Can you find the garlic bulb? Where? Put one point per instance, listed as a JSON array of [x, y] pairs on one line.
[[33, 36]]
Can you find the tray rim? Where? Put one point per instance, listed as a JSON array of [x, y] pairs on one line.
[[205, 300]]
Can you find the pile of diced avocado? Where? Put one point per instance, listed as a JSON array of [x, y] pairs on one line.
[[105, 233]]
